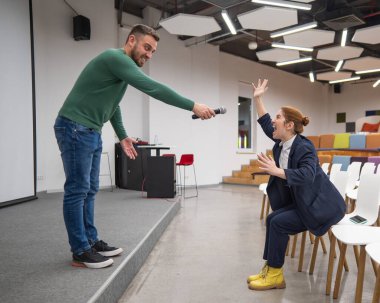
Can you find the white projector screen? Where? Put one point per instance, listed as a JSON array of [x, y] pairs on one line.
[[17, 107]]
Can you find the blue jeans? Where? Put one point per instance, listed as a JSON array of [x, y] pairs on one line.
[[81, 149]]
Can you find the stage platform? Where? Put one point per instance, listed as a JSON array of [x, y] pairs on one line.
[[36, 259]]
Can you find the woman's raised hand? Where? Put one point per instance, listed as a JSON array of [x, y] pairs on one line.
[[260, 89]]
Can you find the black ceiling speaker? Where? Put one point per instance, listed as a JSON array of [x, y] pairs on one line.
[[337, 88], [82, 28]]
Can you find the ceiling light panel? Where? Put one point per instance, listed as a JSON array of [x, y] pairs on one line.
[[344, 80], [369, 35], [190, 25], [286, 46], [337, 53], [281, 3], [294, 29], [364, 63], [300, 60], [268, 18], [277, 55], [310, 38], [331, 76]]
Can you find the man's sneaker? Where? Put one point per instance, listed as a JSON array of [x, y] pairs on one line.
[[91, 259], [108, 251]]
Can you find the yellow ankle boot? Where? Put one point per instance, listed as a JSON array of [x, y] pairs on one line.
[[259, 275], [274, 278]]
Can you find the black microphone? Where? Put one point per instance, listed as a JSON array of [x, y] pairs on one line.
[[220, 110]]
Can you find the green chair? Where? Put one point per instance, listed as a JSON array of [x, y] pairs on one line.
[[342, 140]]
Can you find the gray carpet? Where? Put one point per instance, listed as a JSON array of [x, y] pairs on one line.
[[35, 256]]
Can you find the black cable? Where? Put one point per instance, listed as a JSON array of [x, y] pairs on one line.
[[71, 7]]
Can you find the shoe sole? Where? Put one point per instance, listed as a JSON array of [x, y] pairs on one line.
[[279, 286], [104, 264], [113, 253]]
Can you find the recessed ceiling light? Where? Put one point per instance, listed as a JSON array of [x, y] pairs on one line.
[[345, 80], [338, 66], [294, 29], [376, 83], [367, 71], [281, 3], [344, 37], [311, 77], [228, 22], [280, 45], [294, 61]]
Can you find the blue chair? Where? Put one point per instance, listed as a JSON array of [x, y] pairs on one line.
[[344, 160], [357, 141]]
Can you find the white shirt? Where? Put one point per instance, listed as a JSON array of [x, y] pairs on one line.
[[284, 156]]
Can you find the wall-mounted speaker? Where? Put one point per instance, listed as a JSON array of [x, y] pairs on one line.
[[337, 88], [82, 28]]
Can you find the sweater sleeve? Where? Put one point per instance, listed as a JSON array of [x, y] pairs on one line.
[[117, 124], [124, 68], [265, 122]]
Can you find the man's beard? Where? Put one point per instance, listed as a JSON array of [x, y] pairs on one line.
[[135, 57]]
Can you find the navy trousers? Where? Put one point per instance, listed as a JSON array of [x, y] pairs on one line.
[[280, 224]]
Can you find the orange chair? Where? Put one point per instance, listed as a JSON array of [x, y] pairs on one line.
[[315, 140], [186, 160], [326, 141], [373, 141]]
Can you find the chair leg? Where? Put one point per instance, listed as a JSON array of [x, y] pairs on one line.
[[311, 236], [331, 263], [314, 255], [338, 277], [294, 246], [376, 292], [376, 267], [262, 207], [360, 278], [287, 248], [302, 251], [323, 245], [357, 254], [195, 177]]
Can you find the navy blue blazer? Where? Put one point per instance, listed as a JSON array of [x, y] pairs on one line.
[[315, 198]]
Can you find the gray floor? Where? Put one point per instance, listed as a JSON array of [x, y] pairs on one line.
[[35, 257], [214, 243]]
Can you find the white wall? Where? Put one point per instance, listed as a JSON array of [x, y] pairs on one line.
[[58, 61], [199, 72]]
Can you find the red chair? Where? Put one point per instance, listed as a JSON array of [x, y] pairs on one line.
[[186, 160]]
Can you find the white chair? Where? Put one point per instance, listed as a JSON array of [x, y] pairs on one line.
[[373, 250], [367, 206], [340, 182], [335, 167], [325, 167], [354, 173], [367, 202], [265, 201], [368, 168], [350, 235]]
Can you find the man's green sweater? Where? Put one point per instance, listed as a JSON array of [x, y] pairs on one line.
[[100, 87]]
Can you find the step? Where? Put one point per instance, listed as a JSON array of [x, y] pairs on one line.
[[236, 180]]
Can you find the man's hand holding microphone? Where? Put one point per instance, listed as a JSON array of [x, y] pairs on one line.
[[203, 112]]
